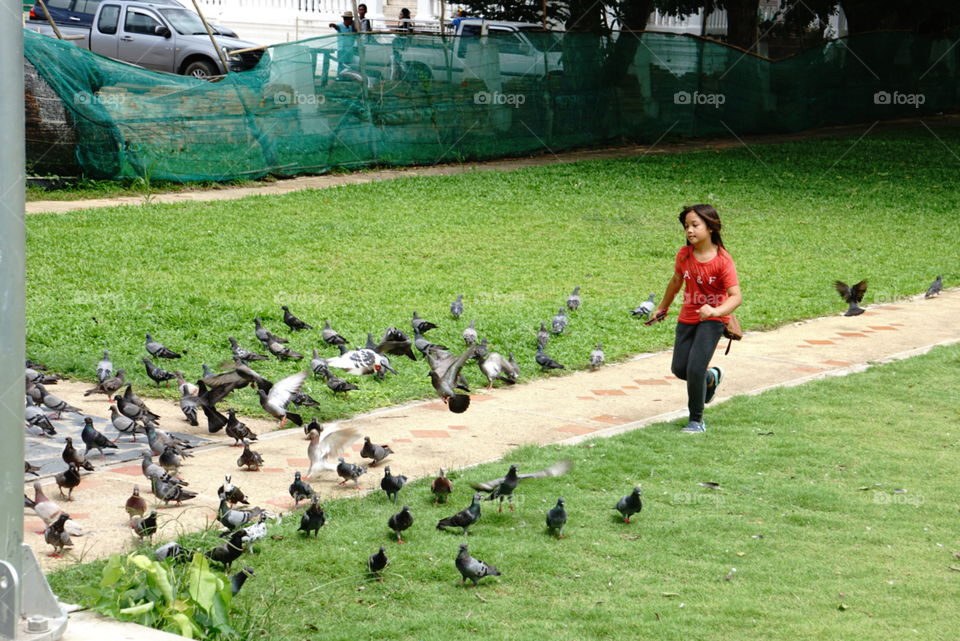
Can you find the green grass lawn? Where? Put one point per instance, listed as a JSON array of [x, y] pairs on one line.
[[796, 217], [831, 521]]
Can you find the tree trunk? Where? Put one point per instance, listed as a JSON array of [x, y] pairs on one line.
[[634, 18], [742, 21]]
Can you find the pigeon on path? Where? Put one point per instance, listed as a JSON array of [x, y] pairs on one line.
[[110, 385], [935, 287], [37, 418], [70, 454], [57, 536], [294, 323], [238, 431], [136, 505], [445, 374], [349, 472], [57, 404], [48, 510], [323, 449], [93, 439], [156, 348], [853, 296], [645, 308], [471, 568], [374, 452], [146, 526], [233, 493], [557, 518], [69, 478], [630, 504], [464, 518], [249, 459]]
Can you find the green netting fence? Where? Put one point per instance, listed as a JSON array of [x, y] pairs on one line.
[[400, 99]]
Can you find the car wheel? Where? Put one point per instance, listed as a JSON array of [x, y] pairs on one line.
[[200, 69]]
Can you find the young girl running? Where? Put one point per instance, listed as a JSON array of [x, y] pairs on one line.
[[712, 293]]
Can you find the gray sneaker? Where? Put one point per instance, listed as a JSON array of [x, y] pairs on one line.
[[712, 389], [694, 427]]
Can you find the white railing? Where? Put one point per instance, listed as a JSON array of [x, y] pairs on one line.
[[693, 23]]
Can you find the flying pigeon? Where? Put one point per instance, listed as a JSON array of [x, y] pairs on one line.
[[630, 504], [395, 342], [441, 487], [504, 486], [313, 518], [362, 362], [445, 374], [464, 518], [557, 518], [456, 307], [573, 300], [377, 562], [324, 449], [420, 325], [281, 393], [94, 439], [104, 367], [392, 484], [400, 521], [155, 348], [597, 357], [374, 452], [559, 322], [471, 568], [935, 287], [545, 362], [470, 334], [349, 472], [853, 296], [645, 308], [300, 490], [294, 323], [185, 387], [330, 335], [249, 459]]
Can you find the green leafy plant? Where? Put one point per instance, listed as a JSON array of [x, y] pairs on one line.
[[193, 602]]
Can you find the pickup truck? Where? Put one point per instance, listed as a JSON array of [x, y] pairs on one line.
[[79, 13], [522, 49], [156, 35]]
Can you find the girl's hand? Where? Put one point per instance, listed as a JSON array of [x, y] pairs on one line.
[[707, 311]]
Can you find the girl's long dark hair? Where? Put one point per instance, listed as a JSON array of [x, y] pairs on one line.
[[710, 217]]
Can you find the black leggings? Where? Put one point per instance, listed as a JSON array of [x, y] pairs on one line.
[[692, 350]]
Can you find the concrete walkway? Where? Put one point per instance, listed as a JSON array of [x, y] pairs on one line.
[[426, 436]]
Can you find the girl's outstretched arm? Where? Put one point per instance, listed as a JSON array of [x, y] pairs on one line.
[[672, 288]]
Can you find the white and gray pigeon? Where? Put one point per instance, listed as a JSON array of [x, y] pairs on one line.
[[935, 287], [37, 418], [362, 362], [275, 403], [645, 308], [104, 367], [456, 307], [156, 348], [471, 568], [597, 357], [349, 472], [470, 334], [324, 449], [559, 322], [573, 300]]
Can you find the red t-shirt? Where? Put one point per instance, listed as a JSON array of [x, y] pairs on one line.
[[704, 283]]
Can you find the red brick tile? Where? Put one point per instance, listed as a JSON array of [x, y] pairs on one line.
[[357, 447], [651, 381], [804, 368], [607, 418], [479, 398], [271, 470], [629, 387], [402, 440], [282, 501], [805, 346], [430, 433], [898, 324], [129, 470], [298, 462], [457, 427], [436, 406], [837, 363], [587, 398], [819, 341], [575, 429], [852, 334], [671, 377], [883, 327], [609, 392], [33, 526]]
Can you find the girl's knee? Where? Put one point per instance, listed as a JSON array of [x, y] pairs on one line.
[[679, 372]]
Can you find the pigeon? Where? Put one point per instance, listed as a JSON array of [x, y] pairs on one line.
[[853, 296], [471, 568], [395, 342], [172, 551], [374, 452], [264, 335], [276, 401], [94, 439], [557, 518], [229, 551], [392, 484], [573, 300], [238, 431], [55, 403], [645, 308], [935, 287], [597, 357], [312, 519], [300, 490], [441, 487], [170, 460], [48, 510], [216, 421], [349, 472], [464, 518], [496, 367], [155, 348], [151, 470], [302, 399], [124, 424], [445, 374], [362, 362], [630, 504], [166, 489], [133, 406], [421, 326], [237, 580], [315, 425], [37, 418], [543, 336], [135, 505], [183, 386], [504, 486], [318, 364], [330, 335], [545, 362], [207, 372], [456, 307], [282, 352], [324, 449], [57, 536], [233, 493], [188, 405], [104, 367], [110, 385], [157, 374], [30, 468], [160, 439], [249, 459], [559, 322], [219, 386], [400, 521], [470, 334], [242, 354], [336, 384], [145, 527], [70, 454], [234, 519], [294, 323], [69, 478], [377, 562]]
